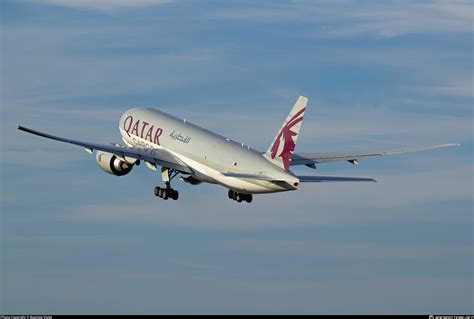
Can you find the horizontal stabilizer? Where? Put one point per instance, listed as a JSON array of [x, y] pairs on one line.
[[324, 179]]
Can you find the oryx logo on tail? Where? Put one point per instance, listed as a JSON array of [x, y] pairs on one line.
[[282, 148]]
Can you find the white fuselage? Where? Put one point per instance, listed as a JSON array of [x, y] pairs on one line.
[[206, 153]]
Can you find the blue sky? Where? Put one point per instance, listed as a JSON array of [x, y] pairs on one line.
[[378, 74]]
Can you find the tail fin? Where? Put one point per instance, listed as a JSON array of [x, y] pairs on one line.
[[281, 150]]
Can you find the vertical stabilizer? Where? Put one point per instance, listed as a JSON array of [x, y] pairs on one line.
[[281, 150]]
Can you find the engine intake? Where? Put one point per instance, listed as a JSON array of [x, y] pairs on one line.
[[113, 165]]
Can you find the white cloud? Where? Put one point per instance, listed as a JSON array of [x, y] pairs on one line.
[[458, 88], [351, 18], [399, 18], [394, 198], [309, 248], [340, 290], [102, 5]]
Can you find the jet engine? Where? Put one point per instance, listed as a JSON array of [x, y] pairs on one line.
[[191, 180], [111, 164]]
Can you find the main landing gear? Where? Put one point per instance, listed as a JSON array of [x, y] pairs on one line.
[[240, 197], [167, 192]]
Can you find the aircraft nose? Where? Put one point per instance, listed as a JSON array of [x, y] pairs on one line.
[[126, 120], [123, 117]]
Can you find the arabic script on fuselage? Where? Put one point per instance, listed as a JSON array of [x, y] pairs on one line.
[[179, 137]]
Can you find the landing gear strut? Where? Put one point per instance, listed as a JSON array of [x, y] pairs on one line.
[[167, 192], [240, 197]]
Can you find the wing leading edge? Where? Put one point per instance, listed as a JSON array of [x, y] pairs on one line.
[[315, 158], [157, 156]]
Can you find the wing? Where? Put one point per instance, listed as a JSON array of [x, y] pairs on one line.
[[157, 156], [315, 158]]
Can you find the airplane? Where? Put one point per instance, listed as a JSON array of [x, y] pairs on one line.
[[201, 156]]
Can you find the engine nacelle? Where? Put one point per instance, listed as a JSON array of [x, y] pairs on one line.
[[111, 164], [191, 180]]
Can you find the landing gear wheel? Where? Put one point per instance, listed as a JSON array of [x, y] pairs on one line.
[[167, 192], [175, 195], [248, 198], [238, 197]]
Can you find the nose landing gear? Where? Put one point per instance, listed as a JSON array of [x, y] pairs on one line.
[[238, 197]]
